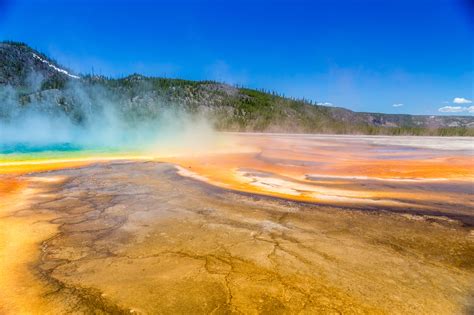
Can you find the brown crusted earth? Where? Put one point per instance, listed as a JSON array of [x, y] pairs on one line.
[[137, 237]]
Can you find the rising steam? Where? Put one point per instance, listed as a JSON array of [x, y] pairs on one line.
[[91, 116]]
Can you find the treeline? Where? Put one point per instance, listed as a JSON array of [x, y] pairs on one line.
[[268, 111], [229, 107]]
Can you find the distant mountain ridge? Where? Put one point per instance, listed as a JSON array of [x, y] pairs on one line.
[[33, 80]]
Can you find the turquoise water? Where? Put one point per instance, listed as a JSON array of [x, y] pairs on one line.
[[18, 148], [27, 152]]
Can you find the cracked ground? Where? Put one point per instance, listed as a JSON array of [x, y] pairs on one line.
[[138, 238]]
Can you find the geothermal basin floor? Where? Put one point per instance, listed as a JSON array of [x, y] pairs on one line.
[[245, 223], [137, 237]]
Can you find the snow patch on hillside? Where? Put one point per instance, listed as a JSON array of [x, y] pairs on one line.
[[54, 67]]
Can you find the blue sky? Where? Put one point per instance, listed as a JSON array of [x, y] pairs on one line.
[[364, 55]]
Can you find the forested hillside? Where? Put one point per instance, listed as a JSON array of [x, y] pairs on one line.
[[29, 80]]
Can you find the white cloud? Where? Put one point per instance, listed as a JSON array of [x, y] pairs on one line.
[[461, 100], [456, 109], [397, 105], [326, 104], [451, 109]]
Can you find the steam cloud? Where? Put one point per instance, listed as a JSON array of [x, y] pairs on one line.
[[91, 116]]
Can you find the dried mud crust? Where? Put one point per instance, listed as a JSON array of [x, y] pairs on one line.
[[137, 237]]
